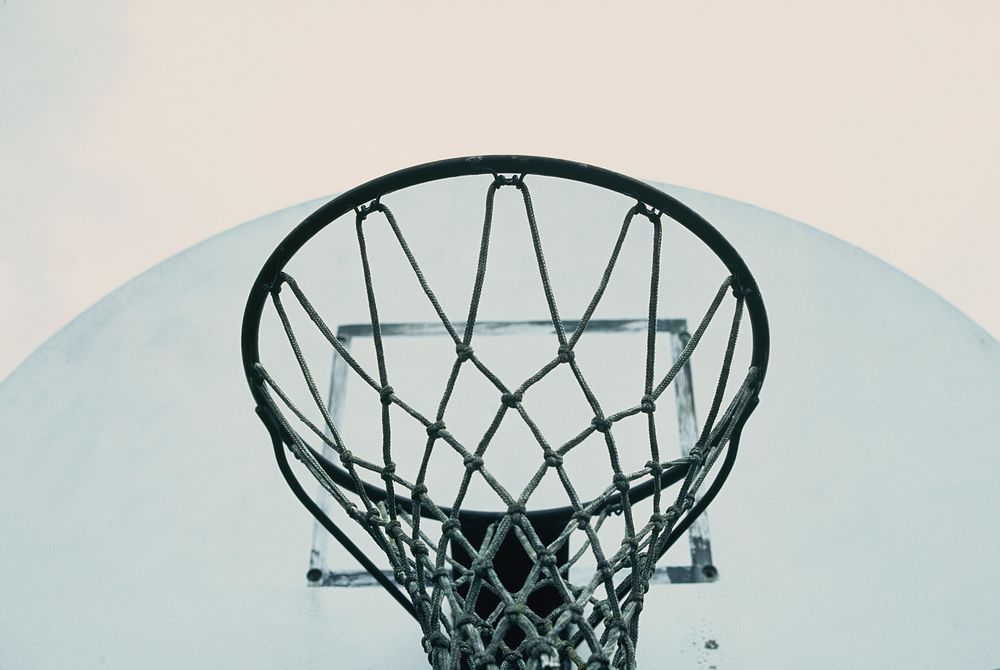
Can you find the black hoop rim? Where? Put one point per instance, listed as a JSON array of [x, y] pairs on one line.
[[743, 282]]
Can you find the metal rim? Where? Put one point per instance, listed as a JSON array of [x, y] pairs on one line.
[[527, 165]]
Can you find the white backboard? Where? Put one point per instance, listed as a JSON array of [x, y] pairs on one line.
[[146, 525]]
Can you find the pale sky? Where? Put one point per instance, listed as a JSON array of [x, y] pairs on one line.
[[132, 130]]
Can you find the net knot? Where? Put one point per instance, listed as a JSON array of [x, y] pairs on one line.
[[464, 352], [480, 567], [419, 549], [388, 470], [639, 590], [441, 573], [696, 455], [553, 459], [435, 429], [466, 619], [450, 526], [601, 424], [473, 462], [385, 395], [630, 543], [394, 530], [537, 647], [511, 399], [603, 567], [511, 658], [688, 501], [657, 520], [436, 639], [514, 610], [547, 559], [565, 353], [647, 404], [616, 624], [346, 457], [373, 517], [655, 469], [603, 609], [582, 519], [620, 481], [418, 492], [515, 508]]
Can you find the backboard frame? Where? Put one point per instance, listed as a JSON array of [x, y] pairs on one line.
[[701, 567]]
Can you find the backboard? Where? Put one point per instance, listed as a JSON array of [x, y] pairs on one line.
[[148, 527]]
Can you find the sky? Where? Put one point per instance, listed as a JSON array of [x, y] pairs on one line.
[[132, 130]]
